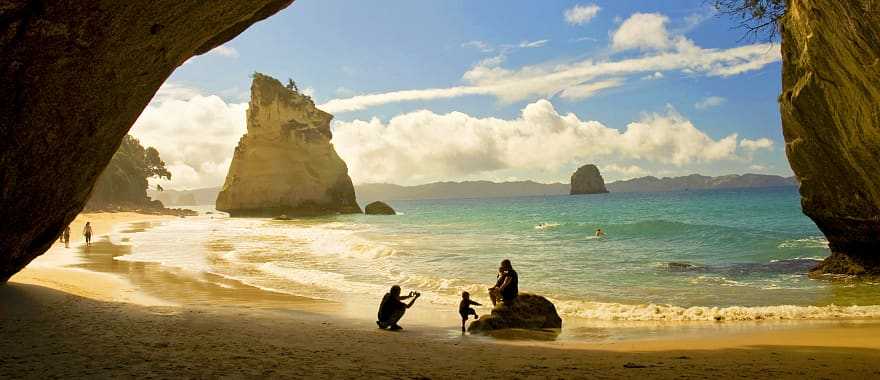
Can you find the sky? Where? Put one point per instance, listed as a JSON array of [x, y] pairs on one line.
[[426, 91]]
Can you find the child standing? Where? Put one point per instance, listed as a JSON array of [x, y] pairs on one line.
[[465, 309]]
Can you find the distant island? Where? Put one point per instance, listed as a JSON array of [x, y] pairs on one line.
[[369, 192]]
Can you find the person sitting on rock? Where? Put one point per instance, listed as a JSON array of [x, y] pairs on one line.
[[507, 287], [391, 309], [465, 309]]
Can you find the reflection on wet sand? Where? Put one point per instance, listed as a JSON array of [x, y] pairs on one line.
[[187, 287]]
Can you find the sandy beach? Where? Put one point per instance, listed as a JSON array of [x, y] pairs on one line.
[[65, 316]]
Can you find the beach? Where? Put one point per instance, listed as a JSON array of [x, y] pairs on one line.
[[61, 319]]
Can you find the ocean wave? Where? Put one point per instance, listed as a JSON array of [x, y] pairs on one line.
[[808, 242], [321, 279], [660, 313], [339, 240]]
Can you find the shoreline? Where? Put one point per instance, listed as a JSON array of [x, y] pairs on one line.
[[125, 290], [94, 273]]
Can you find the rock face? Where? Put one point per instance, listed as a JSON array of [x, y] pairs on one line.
[[830, 106], [74, 76], [587, 180], [530, 311], [285, 163], [379, 208]]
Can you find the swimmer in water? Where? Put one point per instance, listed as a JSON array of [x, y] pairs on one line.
[[599, 232]]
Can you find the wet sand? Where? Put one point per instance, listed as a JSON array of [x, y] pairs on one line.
[[69, 316]]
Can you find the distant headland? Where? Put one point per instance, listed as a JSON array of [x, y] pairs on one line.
[[369, 192]]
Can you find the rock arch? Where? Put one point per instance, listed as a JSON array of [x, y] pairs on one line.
[[77, 73]]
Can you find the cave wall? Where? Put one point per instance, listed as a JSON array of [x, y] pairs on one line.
[[76, 74], [830, 106]]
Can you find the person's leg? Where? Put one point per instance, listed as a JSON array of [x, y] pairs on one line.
[[493, 295], [472, 311], [395, 316]]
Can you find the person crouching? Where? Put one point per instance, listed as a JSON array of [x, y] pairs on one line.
[[391, 309]]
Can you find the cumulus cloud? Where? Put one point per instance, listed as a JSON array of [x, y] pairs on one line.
[[663, 50], [622, 172], [709, 102], [755, 145], [581, 13], [195, 134], [224, 51], [423, 146], [645, 31]]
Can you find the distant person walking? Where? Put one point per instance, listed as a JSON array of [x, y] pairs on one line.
[[506, 288], [392, 309], [65, 236], [87, 233]]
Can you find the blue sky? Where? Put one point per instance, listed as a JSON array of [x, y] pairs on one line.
[[674, 68]]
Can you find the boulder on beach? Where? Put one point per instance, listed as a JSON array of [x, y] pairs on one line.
[[587, 180], [529, 311], [379, 208]]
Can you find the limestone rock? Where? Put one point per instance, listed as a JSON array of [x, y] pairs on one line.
[[530, 311], [379, 208], [587, 180], [285, 163], [74, 76], [830, 106]]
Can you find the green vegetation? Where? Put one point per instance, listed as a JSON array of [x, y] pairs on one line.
[[124, 181]]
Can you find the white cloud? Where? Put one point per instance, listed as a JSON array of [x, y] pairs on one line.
[[195, 134], [533, 44], [344, 91], [587, 90], [479, 45], [422, 146], [665, 52], [754, 145], [309, 91], [709, 102], [581, 14], [758, 168], [654, 76], [644, 31], [224, 51], [582, 39], [622, 172]]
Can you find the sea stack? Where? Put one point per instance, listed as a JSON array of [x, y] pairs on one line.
[[587, 180], [285, 163], [830, 107]]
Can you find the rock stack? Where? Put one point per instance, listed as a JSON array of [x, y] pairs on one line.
[[587, 180], [285, 163]]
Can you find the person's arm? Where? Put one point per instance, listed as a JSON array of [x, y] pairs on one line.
[[505, 283], [414, 298], [472, 302]]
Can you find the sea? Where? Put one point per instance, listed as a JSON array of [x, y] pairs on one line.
[[685, 256]]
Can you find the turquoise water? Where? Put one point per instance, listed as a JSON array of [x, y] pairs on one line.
[[747, 254]]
